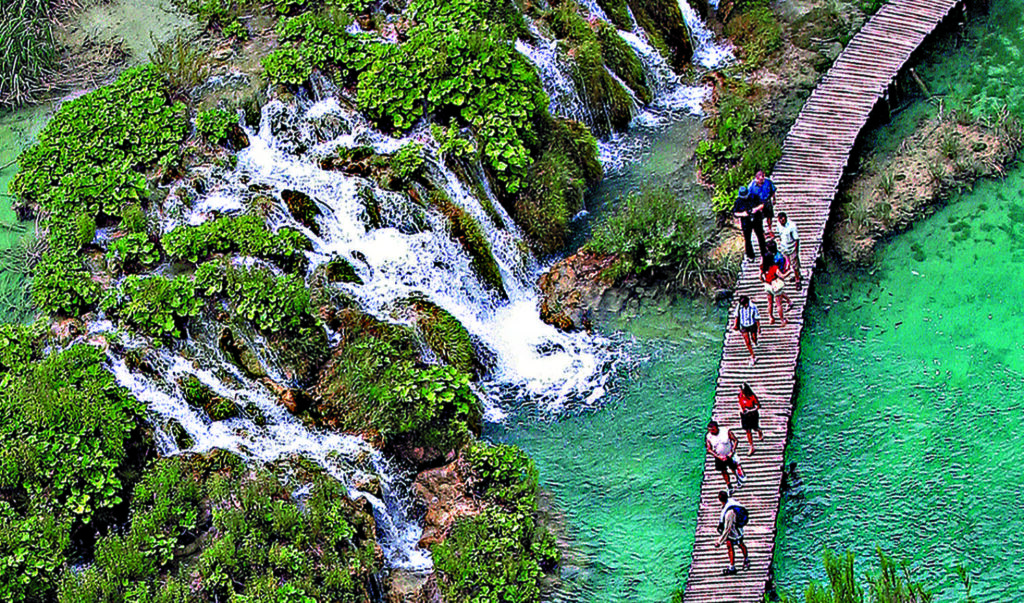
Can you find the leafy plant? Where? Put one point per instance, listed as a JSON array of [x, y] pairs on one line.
[[287, 66], [408, 161], [182, 63], [154, 305], [247, 234], [216, 125]]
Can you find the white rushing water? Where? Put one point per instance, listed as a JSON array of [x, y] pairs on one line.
[[708, 52]]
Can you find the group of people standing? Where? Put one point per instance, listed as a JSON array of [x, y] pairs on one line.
[[780, 261]]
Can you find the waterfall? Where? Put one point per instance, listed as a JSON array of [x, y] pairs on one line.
[[707, 51], [278, 436], [555, 78]]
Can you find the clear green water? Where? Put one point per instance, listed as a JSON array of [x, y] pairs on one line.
[[627, 476], [17, 130]]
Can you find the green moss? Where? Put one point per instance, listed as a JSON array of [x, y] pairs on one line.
[[445, 335], [558, 182], [663, 22], [821, 22], [618, 12], [340, 270], [201, 396], [467, 231], [155, 305], [621, 59], [608, 102], [375, 386]]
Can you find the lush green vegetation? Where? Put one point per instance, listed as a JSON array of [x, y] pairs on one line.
[[445, 336], [376, 385], [217, 126], [208, 529], [502, 554], [72, 443], [736, 148], [468, 232], [246, 234], [89, 164], [30, 52], [758, 34]]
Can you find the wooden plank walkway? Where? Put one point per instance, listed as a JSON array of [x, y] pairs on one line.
[[814, 157]]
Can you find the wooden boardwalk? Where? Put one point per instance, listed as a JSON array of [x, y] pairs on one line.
[[814, 157]]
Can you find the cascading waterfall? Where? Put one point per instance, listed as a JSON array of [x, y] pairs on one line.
[[707, 51], [407, 254]]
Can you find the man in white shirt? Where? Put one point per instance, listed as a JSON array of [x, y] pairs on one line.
[[789, 245], [721, 443], [731, 532]]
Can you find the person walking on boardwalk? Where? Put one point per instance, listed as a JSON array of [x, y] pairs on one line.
[[748, 209], [750, 415], [771, 276], [730, 526], [763, 190], [721, 443], [789, 245], [748, 323]]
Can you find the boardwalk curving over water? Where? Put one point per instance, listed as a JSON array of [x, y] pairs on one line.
[[814, 157]]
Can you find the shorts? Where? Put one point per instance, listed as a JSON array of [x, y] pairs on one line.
[[774, 287], [751, 329], [769, 211], [751, 420], [728, 463]]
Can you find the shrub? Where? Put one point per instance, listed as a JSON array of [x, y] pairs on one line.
[[133, 252], [247, 234], [69, 437], [154, 305], [407, 161], [654, 232], [276, 305], [287, 66], [216, 125], [445, 336]]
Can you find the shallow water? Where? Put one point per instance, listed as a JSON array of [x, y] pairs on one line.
[[627, 476]]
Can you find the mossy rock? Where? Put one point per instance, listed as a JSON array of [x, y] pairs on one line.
[[357, 161], [820, 23], [303, 208], [240, 354], [340, 270], [557, 184], [444, 335], [468, 232], [300, 355], [618, 12], [664, 24], [608, 103], [199, 395], [621, 59]]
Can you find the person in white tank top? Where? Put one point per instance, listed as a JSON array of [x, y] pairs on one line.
[[721, 443]]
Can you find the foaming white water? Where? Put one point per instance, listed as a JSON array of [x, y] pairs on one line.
[[403, 249], [707, 51], [279, 436], [564, 98]]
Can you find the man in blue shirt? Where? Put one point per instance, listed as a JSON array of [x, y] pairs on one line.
[[763, 189], [748, 209]]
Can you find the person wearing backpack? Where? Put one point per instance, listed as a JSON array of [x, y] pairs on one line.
[[734, 518]]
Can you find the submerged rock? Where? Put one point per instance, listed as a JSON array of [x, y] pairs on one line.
[[572, 289], [303, 208], [239, 353]]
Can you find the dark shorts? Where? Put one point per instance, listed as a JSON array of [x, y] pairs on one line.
[[768, 212], [751, 329], [750, 420], [721, 465]]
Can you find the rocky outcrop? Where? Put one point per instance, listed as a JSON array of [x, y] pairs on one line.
[[446, 494], [572, 289]]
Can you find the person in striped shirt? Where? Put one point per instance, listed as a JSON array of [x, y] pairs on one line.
[[747, 323]]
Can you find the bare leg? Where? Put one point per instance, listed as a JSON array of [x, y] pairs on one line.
[[725, 476], [771, 309], [750, 440], [760, 434], [746, 557], [746, 340], [782, 316], [732, 553]]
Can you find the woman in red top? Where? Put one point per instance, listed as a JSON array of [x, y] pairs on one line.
[[771, 275], [750, 415]]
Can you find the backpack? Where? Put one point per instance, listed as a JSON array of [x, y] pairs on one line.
[[742, 515]]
